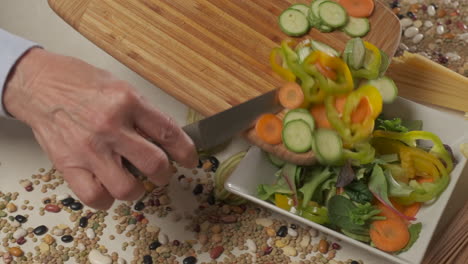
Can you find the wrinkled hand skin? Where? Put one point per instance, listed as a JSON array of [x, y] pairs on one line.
[[86, 120]]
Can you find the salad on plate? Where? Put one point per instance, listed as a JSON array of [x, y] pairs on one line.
[[372, 174]]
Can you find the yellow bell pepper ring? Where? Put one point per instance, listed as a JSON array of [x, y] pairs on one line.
[[284, 73], [332, 73]]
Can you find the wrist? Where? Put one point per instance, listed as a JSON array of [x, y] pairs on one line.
[[17, 90]]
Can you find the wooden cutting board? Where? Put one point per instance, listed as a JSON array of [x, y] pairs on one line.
[[209, 54]]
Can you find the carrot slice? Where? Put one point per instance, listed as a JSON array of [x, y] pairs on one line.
[[423, 179], [340, 103], [326, 71], [291, 95], [269, 128], [362, 111], [412, 210], [320, 115], [387, 212], [358, 8], [389, 235]]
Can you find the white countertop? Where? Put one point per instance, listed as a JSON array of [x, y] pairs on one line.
[[20, 155]]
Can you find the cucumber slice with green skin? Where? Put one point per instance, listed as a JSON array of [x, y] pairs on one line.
[[315, 8], [325, 28], [385, 62], [301, 7], [329, 146], [357, 27], [358, 54], [275, 160], [297, 136], [314, 21], [348, 50], [386, 87], [332, 14], [302, 53], [316, 45], [300, 114], [293, 23]]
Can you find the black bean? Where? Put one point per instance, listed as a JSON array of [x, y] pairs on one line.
[[282, 231], [198, 189], [190, 260], [211, 200], [83, 221], [180, 177], [154, 245], [214, 163], [40, 230], [67, 238], [293, 226], [354, 262], [411, 15], [139, 206], [76, 206], [68, 201], [400, 16], [394, 4], [147, 259], [47, 201], [435, 6], [21, 219], [200, 164]]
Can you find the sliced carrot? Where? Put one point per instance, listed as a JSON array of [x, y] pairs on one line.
[[389, 235], [386, 211], [412, 210], [269, 128], [423, 179], [319, 113], [358, 8], [362, 111], [340, 103], [326, 71], [291, 95]]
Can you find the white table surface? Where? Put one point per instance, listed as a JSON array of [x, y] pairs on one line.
[[20, 155]]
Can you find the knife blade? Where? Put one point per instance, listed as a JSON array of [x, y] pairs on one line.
[[219, 128]]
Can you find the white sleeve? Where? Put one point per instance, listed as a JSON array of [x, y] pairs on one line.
[[11, 49]]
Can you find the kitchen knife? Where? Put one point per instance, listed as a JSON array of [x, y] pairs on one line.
[[219, 128]]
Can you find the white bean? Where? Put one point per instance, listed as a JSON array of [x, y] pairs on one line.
[[95, 257], [162, 238], [265, 222], [90, 233], [411, 32], [20, 232], [292, 232], [417, 23], [418, 38], [440, 29], [406, 22], [431, 10], [428, 24]]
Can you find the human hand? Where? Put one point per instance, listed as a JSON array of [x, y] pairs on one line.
[[86, 120]]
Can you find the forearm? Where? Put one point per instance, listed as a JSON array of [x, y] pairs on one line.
[[12, 49]]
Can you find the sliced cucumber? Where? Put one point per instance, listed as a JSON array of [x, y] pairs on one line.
[[301, 114], [275, 160], [357, 27], [302, 53], [348, 50], [297, 136], [314, 21], [325, 28], [328, 145], [386, 87], [316, 45], [301, 7], [315, 9], [332, 14], [385, 62], [293, 23]]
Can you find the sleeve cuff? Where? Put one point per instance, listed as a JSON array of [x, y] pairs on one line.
[[11, 49]]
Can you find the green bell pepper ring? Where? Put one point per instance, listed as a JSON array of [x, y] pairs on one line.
[[315, 214]]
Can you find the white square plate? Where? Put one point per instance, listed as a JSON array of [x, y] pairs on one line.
[[255, 169]]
